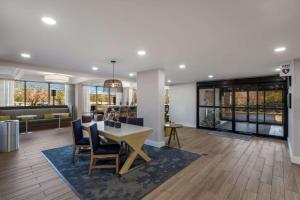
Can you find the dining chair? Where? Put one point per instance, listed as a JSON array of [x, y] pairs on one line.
[[135, 121], [81, 144], [86, 118], [99, 117], [102, 151], [123, 119]]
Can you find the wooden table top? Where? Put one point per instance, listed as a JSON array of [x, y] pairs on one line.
[[125, 130], [59, 113], [173, 125], [26, 116]]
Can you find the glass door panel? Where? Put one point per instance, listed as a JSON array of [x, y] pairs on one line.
[[252, 98], [223, 118], [240, 114], [273, 116], [226, 97], [274, 98], [252, 114], [261, 98], [245, 127], [240, 98], [206, 97], [206, 117]]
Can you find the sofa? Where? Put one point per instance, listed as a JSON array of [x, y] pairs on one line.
[[44, 119]]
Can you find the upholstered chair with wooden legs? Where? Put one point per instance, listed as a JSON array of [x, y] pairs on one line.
[[102, 151], [81, 145]]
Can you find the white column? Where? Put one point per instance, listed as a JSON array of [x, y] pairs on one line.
[[294, 114], [150, 104], [119, 98], [78, 101]]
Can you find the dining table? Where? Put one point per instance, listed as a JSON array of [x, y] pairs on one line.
[[26, 118], [134, 136], [59, 118], [173, 132]]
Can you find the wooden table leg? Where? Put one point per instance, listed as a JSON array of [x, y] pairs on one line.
[[177, 138], [170, 136], [136, 142]]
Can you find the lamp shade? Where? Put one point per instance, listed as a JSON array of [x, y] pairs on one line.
[[113, 83]]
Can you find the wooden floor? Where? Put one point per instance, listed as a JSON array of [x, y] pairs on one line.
[[232, 169]]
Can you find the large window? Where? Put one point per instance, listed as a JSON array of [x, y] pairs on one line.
[[93, 95], [37, 93], [59, 98], [104, 96], [29, 93]]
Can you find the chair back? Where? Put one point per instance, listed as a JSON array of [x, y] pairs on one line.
[[86, 118], [99, 117], [77, 131], [136, 121], [123, 119], [94, 137]]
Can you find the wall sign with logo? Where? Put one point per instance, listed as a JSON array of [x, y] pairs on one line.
[[286, 70]]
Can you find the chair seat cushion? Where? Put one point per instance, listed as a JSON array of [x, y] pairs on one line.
[[107, 149], [84, 141]]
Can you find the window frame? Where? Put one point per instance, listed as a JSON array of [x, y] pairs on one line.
[[49, 91]]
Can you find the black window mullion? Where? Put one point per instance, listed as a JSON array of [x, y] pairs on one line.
[[49, 100], [247, 109], [264, 106], [257, 110], [25, 92], [233, 109], [96, 96], [214, 104]]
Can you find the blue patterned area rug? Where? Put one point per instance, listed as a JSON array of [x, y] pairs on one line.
[[105, 184]]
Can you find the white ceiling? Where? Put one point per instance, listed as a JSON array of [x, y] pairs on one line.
[[229, 39]]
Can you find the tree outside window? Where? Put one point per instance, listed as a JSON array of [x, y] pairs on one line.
[[36, 93]]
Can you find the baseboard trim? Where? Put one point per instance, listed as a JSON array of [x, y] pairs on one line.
[[155, 143], [294, 159]]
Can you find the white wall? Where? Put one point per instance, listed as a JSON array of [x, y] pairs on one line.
[[183, 104]]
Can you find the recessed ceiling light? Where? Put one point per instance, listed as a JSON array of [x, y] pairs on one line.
[[210, 76], [141, 53], [94, 68], [279, 49], [169, 81], [182, 66], [48, 20], [25, 55], [277, 69], [131, 74]]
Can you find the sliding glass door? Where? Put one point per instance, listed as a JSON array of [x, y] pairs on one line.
[[245, 109], [271, 110], [206, 110], [223, 107]]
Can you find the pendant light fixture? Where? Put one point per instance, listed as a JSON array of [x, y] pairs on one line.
[[114, 83]]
